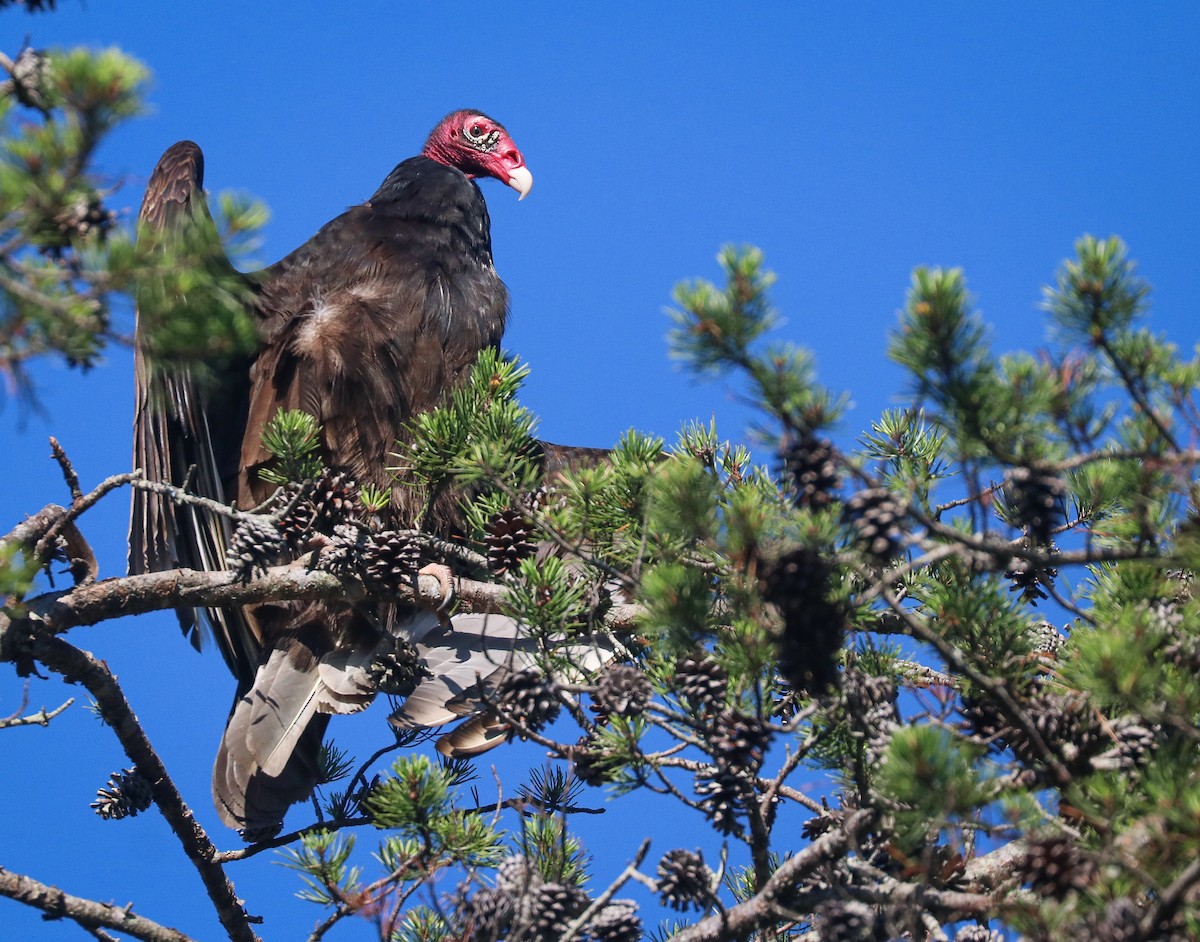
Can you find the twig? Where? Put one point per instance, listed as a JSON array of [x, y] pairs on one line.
[[68, 470], [41, 718], [1169, 902], [1134, 388], [242, 853], [920, 675], [84, 503], [969, 499]]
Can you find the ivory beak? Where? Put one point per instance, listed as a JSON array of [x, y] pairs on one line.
[[521, 180]]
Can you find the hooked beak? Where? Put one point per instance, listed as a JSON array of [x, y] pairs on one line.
[[521, 180]]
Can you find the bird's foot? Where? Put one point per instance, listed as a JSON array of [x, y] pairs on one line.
[[445, 579]]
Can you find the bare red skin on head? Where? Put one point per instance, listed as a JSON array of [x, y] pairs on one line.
[[450, 144]]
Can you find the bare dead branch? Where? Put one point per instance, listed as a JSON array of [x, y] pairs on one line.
[[41, 717], [610, 891], [68, 469], [77, 666], [78, 507], [136, 595], [89, 914]]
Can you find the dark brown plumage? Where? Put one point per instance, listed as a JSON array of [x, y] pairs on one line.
[[366, 325]]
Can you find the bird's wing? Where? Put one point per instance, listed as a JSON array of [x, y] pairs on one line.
[[184, 426], [466, 659], [367, 325]]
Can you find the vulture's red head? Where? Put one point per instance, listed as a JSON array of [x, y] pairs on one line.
[[479, 146]]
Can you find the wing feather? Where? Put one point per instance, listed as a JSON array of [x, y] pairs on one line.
[[182, 428]]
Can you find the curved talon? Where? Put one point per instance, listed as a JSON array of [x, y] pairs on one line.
[[445, 580]]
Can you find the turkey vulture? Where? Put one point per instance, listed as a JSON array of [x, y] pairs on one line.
[[367, 324]]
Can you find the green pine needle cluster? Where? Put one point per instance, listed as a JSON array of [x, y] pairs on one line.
[[293, 438], [417, 801], [67, 257], [480, 433]]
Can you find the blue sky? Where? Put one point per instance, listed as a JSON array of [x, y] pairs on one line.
[[850, 142]]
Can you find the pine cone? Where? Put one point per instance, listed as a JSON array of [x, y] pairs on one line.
[[876, 516], [397, 672], [486, 915], [1069, 725], [821, 824], [30, 73], [549, 909], [299, 516], [1134, 742], [529, 698], [83, 217], [1054, 867], [1028, 579], [1122, 922], [616, 922], [622, 690], [126, 795], [1036, 498], [700, 680], [389, 559], [1045, 639], [983, 719], [255, 545], [335, 499], [1065, 720], [515, 875], [684, 880], [509, 539], [738, 741], [862, 692], [722, 792], [977, 934], [811, 463], [848, 921], [346, 546], [813, 626], [592, 764], [870, 705]]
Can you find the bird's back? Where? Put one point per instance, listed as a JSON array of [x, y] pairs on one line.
[[377, 316]]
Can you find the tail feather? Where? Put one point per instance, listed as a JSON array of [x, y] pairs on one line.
[[268, 758]]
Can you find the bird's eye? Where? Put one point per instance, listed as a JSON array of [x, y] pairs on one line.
[[475, 132]]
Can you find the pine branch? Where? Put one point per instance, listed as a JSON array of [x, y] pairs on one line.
[[762, 910], [995, 686]]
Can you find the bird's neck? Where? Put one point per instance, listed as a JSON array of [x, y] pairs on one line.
[[441, 152]]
